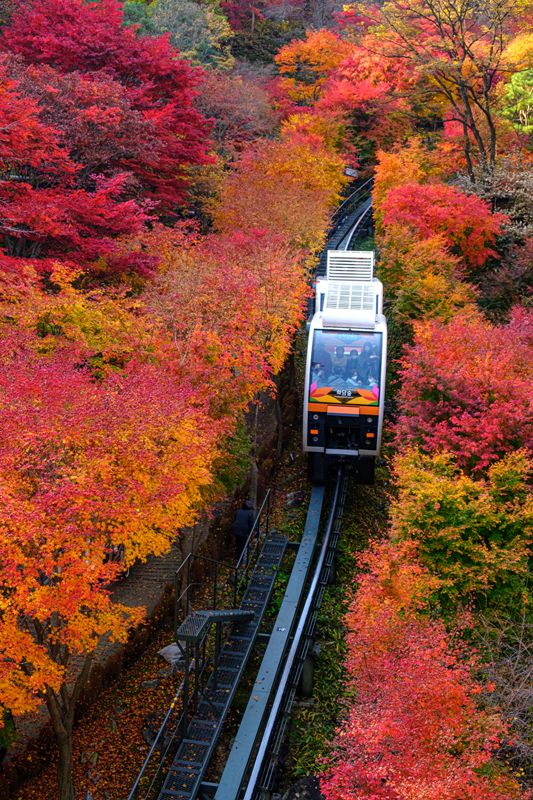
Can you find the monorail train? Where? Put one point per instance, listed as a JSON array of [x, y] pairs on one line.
[[346, 367]]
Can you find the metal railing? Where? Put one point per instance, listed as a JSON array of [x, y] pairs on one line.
[[174, 725], [261, 780], [236, 574], [349, 205], [174, 737]]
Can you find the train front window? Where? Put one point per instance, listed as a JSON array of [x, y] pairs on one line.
[[346, 368]]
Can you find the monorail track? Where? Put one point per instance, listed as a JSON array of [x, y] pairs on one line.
[[257, 741], [251, 769], [263, 775]]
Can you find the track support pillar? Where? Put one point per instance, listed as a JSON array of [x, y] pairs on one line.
[[307, 681]]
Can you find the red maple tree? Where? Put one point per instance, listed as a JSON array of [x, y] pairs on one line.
[[46, 217], [157, 86], [85, 465], [466, 388], [412, 730], [464, 221]]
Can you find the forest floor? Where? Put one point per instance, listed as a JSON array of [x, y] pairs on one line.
[[143, 587]]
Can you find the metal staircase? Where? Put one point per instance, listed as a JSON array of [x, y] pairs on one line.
[[211, 705]]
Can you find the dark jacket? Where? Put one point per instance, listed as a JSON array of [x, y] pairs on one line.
[[243, 524], [363, 365]]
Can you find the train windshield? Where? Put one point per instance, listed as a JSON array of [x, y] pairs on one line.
[[346, 368]]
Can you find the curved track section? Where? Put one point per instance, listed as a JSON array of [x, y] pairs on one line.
[[352, 233], [347, 221]]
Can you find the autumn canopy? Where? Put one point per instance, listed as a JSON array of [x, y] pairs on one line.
[[168, 175]]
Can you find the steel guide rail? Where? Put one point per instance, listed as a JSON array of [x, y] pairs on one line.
[[348, 206], [267, 773], [263, 773]]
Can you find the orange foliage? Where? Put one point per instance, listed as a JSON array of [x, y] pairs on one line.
[[369, 94], [287, 187], [327, 126], [224, 312], [85, 465], [413, 163], [305, 64]]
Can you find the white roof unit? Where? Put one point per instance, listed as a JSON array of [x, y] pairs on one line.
[[352, 296], [350, 304], [350, 265]]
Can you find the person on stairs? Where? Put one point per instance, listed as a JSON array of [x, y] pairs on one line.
[[242, 526]]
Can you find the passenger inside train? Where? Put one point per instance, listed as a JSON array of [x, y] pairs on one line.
[[338, 358], [345, 361]]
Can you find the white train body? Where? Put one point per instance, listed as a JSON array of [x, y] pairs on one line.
[[346, 360]]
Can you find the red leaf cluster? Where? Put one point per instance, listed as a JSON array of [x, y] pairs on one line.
[[98, 128], [464, 221], [467, 389], [369, 92], [158, 87], [412, 731], [45, 215]]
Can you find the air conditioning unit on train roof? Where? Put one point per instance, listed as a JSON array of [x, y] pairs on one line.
[[350, 265], [350, 304], [351, 296]]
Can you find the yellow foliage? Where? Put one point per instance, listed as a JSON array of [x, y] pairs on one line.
[[328, 129], [519, 52], [473, 534], [423, 277]]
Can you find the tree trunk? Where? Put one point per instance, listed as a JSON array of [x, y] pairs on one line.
[[292, 370], [253, 485], [254, 471], [64, 768], [191, 537], [468, 154], [279, 418], [61, 708]]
